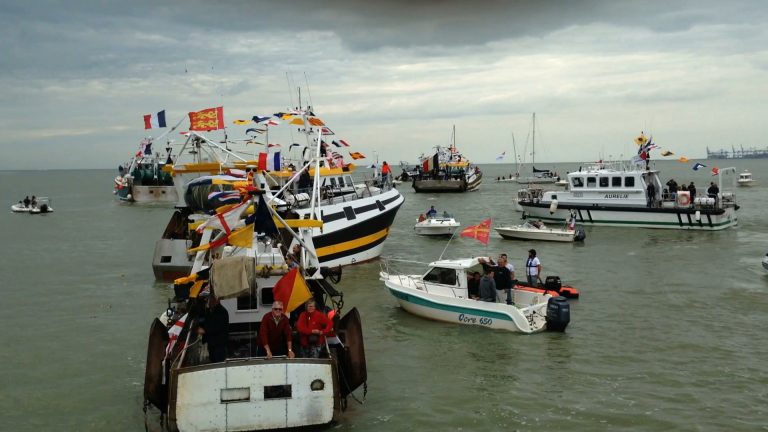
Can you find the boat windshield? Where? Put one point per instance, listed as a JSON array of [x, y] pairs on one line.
[[440, 275]]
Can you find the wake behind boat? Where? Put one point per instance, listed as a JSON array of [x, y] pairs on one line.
[[442, 294]]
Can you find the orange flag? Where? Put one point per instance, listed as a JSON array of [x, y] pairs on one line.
[[207, 119], [292, 290], [479, 232]]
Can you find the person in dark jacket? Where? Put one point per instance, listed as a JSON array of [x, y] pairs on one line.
[[488, 286], [692, 191], [214, 328], [473, 286]]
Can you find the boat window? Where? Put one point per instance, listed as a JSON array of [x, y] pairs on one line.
[[341, 182], [629, 181], [616, 181], [333, 182], [440, 275], [578, 182], [248, 301], [603, 182], [266, 296], [591, 182], [349, 181]]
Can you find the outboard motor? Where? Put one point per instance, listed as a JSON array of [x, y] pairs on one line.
[[553, 283], [558, 314], [580, 234], [44, 208]]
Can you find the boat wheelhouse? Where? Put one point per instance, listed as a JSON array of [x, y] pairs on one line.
[[617, 194]]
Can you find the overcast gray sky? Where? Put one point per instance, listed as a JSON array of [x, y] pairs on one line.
[[389, 77]]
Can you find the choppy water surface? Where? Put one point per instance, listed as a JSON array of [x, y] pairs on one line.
[[669, 332]]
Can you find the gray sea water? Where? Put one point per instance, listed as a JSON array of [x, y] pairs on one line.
[[669, 333]]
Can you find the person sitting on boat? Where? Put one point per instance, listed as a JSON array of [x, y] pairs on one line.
[[538, 224], [473, 286], [446, 215], [275, 333], [533, 268], [422, 218], [313, 327], [431, 213], [214, 329], [27, 201], [488, 286], [33, 203]]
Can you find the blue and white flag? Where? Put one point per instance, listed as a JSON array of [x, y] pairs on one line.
[[501, 156], [697, 165]]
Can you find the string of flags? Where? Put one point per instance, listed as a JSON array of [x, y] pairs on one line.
[[646, 144]]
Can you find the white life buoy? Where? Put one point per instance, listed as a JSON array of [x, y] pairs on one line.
[[553, 206]]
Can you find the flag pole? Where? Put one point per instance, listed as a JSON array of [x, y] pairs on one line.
[[446, 245]]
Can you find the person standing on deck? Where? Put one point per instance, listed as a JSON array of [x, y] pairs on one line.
[[275, 334], [651, 194], [214, 329], [533, 268]]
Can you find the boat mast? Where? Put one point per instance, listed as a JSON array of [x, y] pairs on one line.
[[533, 143]]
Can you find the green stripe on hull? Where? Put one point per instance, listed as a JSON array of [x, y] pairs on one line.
[[448, 308]]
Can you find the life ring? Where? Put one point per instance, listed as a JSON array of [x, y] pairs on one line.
[[683, 200]]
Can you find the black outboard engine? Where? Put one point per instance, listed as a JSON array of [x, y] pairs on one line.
[[558, 314], [580, 234], [44, 208], [553, 283]]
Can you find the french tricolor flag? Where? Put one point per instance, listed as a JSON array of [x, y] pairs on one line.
[[157, 120], [269, 161]]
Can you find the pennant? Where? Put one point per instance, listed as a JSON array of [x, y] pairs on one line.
[[157, 120], [683, 159], [666, 153], [242, 237], [715, 171], [259, 119], [292, 290], [283, 116], [173, 334], [242, 122], [344, 143], [224, 221], [221, 241], [480, 232], [269, 161], [327, 131], [262, 219], [297, 121], [272, 122], [207, 119], [356, 155], [273, 145], [697, 165], [254, 130], [501, 156], [314, 121], [292, 145]]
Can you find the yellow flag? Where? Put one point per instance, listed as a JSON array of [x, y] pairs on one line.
[[683, 159], [242, 122], [297, 121], [314, 121], [242, 237], [641, 139]]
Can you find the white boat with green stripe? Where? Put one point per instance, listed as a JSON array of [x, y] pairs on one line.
[[442, 294], [621, 194]]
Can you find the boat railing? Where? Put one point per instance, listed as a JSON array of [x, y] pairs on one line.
[[386, 265]]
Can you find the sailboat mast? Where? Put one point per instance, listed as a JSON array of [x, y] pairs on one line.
[[533, 143]]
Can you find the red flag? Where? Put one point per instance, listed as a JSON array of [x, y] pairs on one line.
[[262, 162], [207, 119], [715, 171], [479, 232]]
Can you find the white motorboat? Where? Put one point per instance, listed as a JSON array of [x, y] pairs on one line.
[[510, 179], [562, 182], [615, 194], [765, 261], [41, 205], [437, 226], [745, 179], [441, 294], [536, 230], [244, 390]]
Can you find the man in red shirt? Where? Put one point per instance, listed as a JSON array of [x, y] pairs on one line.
[[313, 327], [275, 333]]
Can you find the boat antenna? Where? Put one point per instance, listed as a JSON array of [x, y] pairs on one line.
[[290, 92], [309, 92], [447, 244]]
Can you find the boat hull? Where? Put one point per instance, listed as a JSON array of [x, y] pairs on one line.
[[436, 231], [171, 260], [517, 233], [464, 311], [154, 194], [255, 394], [665, 218]]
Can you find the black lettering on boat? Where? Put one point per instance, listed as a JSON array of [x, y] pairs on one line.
[[616, 196]]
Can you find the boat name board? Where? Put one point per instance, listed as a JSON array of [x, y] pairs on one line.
[[468, 319], [616, 196]]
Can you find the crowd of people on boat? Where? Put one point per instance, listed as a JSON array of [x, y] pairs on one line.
[[28, 202], [498, 278], [672, 192]]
